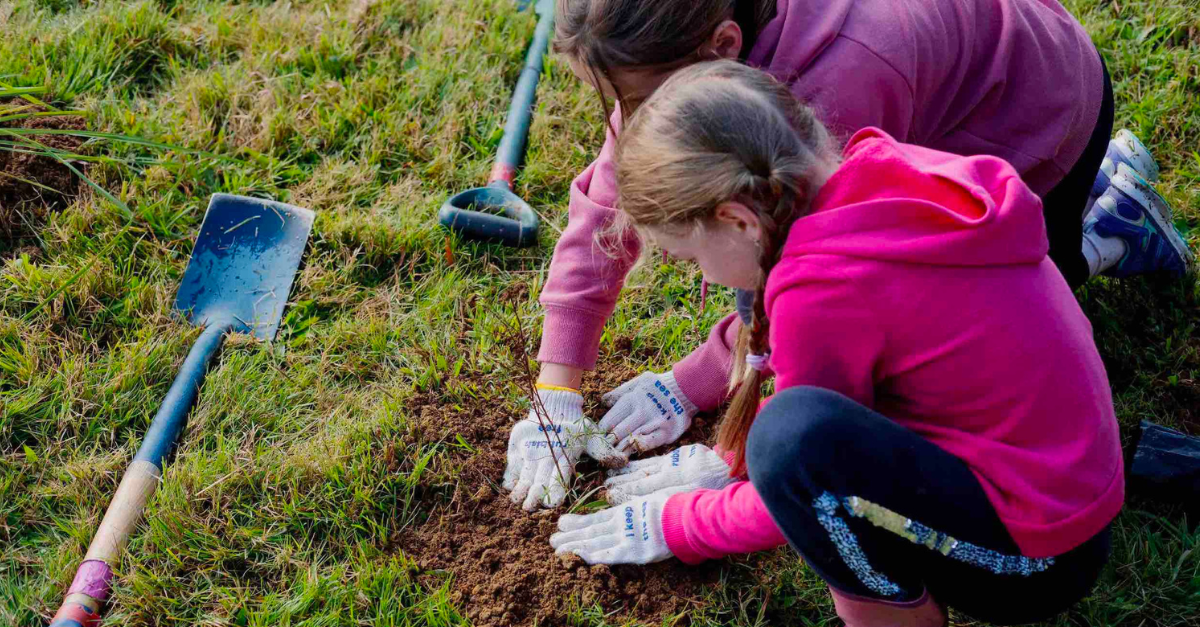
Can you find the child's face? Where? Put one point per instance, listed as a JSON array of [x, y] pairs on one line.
[[634, 85], [725, 247]]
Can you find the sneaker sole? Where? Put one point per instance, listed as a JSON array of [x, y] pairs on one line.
[[1136, 154], [1140, 191]]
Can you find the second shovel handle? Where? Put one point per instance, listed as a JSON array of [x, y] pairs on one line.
[[520, 112]]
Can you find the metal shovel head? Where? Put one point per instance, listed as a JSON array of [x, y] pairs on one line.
[[243, 264]]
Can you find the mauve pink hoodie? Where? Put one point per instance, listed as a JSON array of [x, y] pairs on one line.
[[919, 287], [1019, 79]]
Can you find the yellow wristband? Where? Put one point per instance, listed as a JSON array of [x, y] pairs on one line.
[[557, 388]]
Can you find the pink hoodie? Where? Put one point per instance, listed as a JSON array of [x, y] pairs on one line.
[[920, 287], [1017, 79]]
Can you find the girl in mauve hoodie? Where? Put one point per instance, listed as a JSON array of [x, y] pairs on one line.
[[942, 431], [1017, 79]]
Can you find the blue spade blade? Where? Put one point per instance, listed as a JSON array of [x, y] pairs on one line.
[[238, 279], [243, 264]]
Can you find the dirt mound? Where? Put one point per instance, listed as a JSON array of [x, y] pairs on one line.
[[33, 186], [503, 569]]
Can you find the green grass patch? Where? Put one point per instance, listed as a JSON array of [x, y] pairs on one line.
[[300, 463]]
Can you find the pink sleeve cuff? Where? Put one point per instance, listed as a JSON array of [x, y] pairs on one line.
[[674, 533], [727, 456], [571, 337], [703, 378]]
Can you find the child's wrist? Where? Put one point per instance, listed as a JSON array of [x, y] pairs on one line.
[[561, 376]]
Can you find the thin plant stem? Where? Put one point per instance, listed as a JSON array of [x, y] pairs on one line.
[[527, 377]]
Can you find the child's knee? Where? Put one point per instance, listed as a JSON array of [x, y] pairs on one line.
[[798, 426]]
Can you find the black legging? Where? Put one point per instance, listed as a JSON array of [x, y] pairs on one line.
[[831, 470], [1063, 205]]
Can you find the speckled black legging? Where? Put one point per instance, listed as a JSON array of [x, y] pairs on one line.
[[878, 511]]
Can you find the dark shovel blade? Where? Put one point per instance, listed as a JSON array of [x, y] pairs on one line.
[[243, 264]]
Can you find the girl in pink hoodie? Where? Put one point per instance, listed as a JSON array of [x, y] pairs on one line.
[[942, 432], [1017, 79]]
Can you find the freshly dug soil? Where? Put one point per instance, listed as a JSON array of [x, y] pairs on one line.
[[503, 569], [24, 206]]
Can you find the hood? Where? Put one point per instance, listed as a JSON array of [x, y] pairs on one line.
[[798, 34], [902, 203]]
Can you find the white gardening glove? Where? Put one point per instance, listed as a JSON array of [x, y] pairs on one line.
[[542, 457], [626, 534], [682, 470], [647, 412]]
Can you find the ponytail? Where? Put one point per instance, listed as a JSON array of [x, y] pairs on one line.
[[746, 380]]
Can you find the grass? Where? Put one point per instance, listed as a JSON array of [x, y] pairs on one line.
[[299, 462]]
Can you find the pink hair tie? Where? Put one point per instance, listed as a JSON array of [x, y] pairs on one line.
[[757, 362]]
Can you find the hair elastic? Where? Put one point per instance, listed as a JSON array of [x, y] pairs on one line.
[[757, 362]]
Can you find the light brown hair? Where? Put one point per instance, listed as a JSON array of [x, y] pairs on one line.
[[719, 132], [649, 34]]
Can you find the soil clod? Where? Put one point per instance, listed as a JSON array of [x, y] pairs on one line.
[[33, 186]]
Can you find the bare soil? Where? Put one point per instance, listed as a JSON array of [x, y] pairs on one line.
[[503, 571], [24, 206]]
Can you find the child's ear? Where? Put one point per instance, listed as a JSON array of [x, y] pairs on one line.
[[740, 217], [726, 41]]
